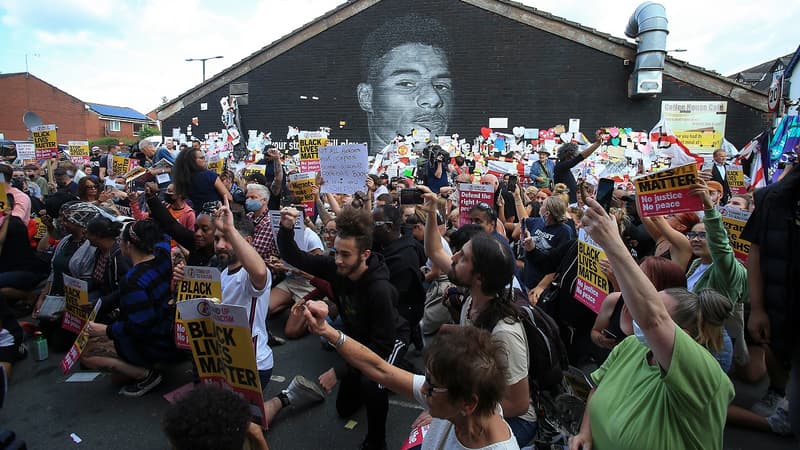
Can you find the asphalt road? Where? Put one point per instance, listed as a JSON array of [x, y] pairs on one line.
[[44, 410]]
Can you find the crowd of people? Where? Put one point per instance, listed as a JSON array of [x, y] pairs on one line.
[[686, 327]]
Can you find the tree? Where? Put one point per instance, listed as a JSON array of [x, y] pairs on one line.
[[147, 131]]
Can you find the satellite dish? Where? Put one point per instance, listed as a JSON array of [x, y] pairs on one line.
[[31, 119]]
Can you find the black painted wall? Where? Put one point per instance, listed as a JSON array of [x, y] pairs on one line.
[[500, 68]]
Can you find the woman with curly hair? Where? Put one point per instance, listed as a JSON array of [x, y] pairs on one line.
[[192, 180]]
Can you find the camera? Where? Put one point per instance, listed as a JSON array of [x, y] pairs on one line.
[[436, 154]]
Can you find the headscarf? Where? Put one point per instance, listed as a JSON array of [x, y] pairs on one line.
[[81, 213]]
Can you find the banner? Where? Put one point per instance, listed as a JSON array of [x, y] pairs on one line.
[[197, 282], [75, 351], [667, 191], [734, 220], [78, 152], [222, 348], [343, 168], [699, 125], [309, 143], [470, 195], [734, 175], [592, 286], [45, 141], [76, 298]]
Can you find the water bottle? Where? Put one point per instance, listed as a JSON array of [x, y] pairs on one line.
[[39, 346]]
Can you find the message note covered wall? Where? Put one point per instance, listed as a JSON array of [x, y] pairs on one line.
[[734, 220], [75, 351], [78, 152], [198, 282], [592, 285], [76, 299], [470, 195], [309, 143], [45, 141], [222, 348], [667, 191], [343, 168]]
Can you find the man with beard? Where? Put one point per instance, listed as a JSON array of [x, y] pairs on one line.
[[406, 82], [367, 302], [404, 256]]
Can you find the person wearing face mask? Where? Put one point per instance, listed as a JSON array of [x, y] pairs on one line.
[[662, 388], [256, 204], [176, 205]]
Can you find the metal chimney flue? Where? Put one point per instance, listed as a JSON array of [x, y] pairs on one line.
[[648, 25]]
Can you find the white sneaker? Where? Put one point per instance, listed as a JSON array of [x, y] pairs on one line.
[[779, 422], [302, 392]]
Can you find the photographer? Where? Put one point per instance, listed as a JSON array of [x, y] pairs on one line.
[[437, 176]]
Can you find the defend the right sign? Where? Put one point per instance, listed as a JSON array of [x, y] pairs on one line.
[[667, 191]]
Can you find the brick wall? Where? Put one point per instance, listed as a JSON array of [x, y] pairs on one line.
[[500, 68]]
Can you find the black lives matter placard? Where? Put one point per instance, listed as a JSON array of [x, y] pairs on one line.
[[222, 348], [667, 191], [197, 282]]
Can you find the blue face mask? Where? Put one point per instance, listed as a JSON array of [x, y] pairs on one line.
[[252, 205]]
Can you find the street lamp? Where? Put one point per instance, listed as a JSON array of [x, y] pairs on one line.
[[203, 60]]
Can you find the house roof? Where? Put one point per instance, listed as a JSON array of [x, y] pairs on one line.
[[793, 63], [120, 112], [573, 31], [760, 76]]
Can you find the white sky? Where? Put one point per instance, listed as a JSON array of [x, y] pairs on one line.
[[132, 52]]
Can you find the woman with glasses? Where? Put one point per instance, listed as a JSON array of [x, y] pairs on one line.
[[89, 189], [462, 387]]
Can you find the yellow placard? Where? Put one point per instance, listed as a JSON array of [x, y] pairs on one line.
[[45, 141], [592, 285], [120, 165], [3, 196], [302, 185], [254, 168], [76, 299]]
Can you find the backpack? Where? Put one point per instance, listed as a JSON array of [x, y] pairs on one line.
[[547, 353]]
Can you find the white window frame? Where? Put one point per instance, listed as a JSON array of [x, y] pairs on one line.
[[114, 125]]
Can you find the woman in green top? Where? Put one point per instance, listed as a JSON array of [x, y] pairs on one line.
[[659, 388]]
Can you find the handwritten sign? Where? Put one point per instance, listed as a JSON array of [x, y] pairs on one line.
[[45, 141], [78, 152], [222, 348], [309, 143], [734, 175], [667, 191], [734, 220], [470, 195], [76, 299], [26, 151], [75, 351], [343, 167], [591, 286], [198, 282]]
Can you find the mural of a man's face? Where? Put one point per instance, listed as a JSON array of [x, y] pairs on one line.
[[410, 88]]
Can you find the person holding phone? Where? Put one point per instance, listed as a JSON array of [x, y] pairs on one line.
[[541, 234]]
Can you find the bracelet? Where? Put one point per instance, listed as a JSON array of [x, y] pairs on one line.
[[340, 340]]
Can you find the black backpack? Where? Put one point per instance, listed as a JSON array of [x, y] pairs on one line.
[[546, 351]]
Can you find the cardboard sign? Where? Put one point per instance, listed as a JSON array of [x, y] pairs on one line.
[[344, 168], [45, 141], [79, 152], [222, 348], [667, 191], [76, 298], [470, 195], [26, 151], [591, 286], [198, 282], [309, 143], [734, 220], [75, 351], [734, 175], [302, 185], [120, 165]]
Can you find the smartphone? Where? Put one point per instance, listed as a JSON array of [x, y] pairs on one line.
[[605, 192], [512, 183], [410, 196], [608, 334]]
